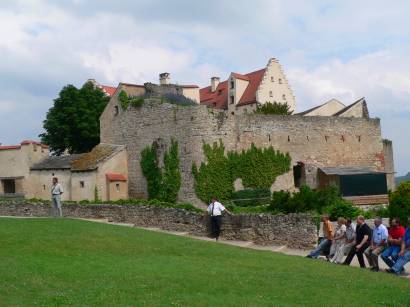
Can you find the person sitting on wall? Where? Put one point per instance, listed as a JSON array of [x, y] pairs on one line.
[[377, 245], [396, 234], [363, 235], [56, 191], [215, 210], [345, 248], [404, 254], [339, 238], [327, 238]]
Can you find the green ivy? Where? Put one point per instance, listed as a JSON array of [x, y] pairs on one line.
[[213, 178], [257, 167], [171, 176], [126, 100], [163, 184]]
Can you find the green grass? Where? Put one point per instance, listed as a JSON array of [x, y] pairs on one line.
[[46, 262]]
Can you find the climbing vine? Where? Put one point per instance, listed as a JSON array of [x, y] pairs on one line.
[[163, 184], [257, 167], [127, 101]]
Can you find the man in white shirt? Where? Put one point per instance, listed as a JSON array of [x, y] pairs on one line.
[[378, 244], [215, 210], [56, 191]]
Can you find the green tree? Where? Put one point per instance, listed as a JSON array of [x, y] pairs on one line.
[[171, 176], [400, 202], [72, 123], [276, 108], [151, 170]]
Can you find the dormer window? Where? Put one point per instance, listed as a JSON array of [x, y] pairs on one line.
[[232, 84], [272, 79], [232, 99], [280, 81], [270, 94]]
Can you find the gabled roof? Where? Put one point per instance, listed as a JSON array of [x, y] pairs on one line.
[[359, 103], [56, 163], [109, 90], [219, 98], [115, 177], [90, 160], [324, 105]]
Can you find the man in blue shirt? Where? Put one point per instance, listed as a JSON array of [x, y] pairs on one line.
[[404, 254]]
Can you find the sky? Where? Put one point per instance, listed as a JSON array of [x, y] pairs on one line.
[[328, 49]]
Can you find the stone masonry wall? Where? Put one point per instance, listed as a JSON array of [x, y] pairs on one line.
[[316, 140], [293, 230]]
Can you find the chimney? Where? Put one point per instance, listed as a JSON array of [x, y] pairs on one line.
[[164, 78], [214, 83]]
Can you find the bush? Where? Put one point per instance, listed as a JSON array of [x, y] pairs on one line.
[[400, 203], [343, 209], [275, 108], [251, 197], [178, 99]]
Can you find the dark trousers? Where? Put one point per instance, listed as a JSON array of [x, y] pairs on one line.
[[216, 226], [358, 253]]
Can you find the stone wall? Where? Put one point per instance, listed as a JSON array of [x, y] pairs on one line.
[[315, 140], [293, 230]]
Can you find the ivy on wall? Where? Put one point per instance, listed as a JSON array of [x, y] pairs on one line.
[[213, 178], [257, 167], [127, 101], [163, 184]]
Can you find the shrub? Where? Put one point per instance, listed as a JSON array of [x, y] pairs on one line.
[[151, 170], [251, 197], [400, 202], [126, 100], [275, 108], [343, 209], [178, 99]]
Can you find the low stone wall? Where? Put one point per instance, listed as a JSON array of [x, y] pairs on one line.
[[293, 230]]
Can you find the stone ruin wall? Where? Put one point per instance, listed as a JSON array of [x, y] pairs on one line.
[[316, 141]]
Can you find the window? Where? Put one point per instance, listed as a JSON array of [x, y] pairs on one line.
[[232, 84], [116, 111], [219, 92], [270, 94], [44, 186], [232, 99], [284, 97], [280, 81], [272, 79], [117, 187], [81, 184]]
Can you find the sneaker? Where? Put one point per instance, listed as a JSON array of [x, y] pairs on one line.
[[374, 269]]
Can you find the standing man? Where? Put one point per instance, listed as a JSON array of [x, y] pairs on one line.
[[363, 235], [396, 234], [56, 191], [378, 244], [327, 238], [404, 254], [215, 210]]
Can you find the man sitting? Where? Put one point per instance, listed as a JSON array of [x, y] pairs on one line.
[[363, 235], [378, 244], [347, 245], [404, 254], [327, 238], [396, 233]]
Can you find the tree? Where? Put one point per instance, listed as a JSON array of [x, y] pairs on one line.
[[72, 123], [400, 202], [276, 108]]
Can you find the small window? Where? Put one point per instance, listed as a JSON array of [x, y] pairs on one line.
[[284, 97], [117, 187], [81, 184], [272, 79], [280, 81], [232, 84], [232, 99], [35, 147], [44, 187], [116, 111], [219, 92], [270, 94]]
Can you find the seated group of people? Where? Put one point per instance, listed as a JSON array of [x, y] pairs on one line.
[[393, 244]]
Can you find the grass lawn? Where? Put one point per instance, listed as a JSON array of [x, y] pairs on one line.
[[47, 262]]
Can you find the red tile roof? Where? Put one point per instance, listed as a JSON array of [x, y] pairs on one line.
[[219, 98], [110, 90], [115, 177], [25, 142], [10, 147]]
